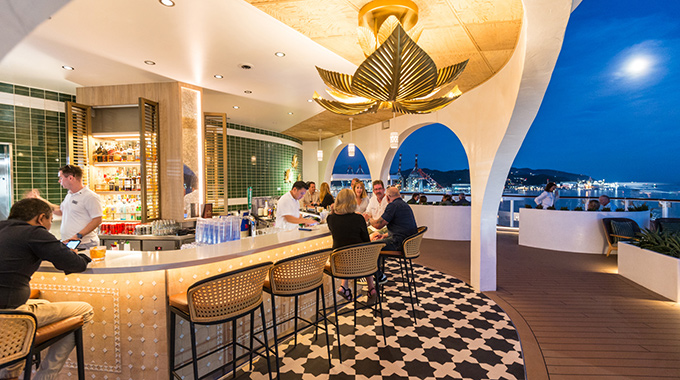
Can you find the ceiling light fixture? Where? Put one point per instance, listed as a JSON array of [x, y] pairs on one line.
[[350, 146], [150, 63], [280, 54], [290, 113], [397, 73], [310, 100], [69, 68], [236, 107], [247, 92], [319, 152], [218, 76], [167, 3]]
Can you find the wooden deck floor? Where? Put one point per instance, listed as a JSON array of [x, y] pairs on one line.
[[577, 318]]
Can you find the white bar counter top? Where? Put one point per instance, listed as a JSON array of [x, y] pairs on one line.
[[145, 261]]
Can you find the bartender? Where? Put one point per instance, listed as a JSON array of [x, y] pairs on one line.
[[288, 215], [81, 210]]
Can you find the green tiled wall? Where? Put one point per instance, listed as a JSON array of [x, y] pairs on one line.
[[267, 175], [38, 139]]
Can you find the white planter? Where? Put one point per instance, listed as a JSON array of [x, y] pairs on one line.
[[444, 222], [656, 272], [570, 231]]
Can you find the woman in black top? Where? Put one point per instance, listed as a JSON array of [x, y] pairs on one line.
[[325, 195], [347, 228]]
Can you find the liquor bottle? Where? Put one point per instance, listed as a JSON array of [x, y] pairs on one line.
[[130, 153], [137, 152]]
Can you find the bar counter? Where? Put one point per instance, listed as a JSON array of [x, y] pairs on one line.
[[128, 338]]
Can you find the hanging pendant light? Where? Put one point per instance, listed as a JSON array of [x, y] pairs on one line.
[[394, 140], [351, 147], [319, 152]]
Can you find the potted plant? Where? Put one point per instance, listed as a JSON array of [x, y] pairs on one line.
[[652, 260]]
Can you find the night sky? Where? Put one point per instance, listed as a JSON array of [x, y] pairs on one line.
[[612, 109]]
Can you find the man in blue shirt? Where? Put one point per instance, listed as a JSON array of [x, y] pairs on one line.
[[400, 222]]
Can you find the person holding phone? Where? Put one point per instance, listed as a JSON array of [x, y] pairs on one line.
[[25, 241], [81, 210]]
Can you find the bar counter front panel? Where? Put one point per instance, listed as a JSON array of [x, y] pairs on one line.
[[128, 337]]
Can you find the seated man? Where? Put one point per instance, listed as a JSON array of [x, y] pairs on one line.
[[311, 197], [400, 222], [605, 202], [462, 201], [422, 200], [414, 199], [25, 241], [447, 200]]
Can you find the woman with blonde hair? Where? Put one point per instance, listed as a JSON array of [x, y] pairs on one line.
[[325, 195], [347, 228], [359, 190]]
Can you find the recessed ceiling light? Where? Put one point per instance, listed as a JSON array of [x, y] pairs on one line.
[[245, 66], [290, 113], [67, 68], [247, 92], [310, 100], [236, 107], [280, 54], [218, 76], [167, 3], [149, 62]]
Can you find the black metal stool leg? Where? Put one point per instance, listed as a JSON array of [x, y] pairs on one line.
[[382, 321], [193, 349], [316, 333], [266, 345], [276, 338], [413, 278], [172, 344], [296, 319], [233, 345], [356, 295], [337, 322], [78, 335], [252, 337], [325, 322]]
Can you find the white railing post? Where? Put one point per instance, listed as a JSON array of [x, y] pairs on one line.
[[512, 212], [625, 203], [665, 205]]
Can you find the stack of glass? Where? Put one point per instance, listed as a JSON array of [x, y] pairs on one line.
[[218, 230]]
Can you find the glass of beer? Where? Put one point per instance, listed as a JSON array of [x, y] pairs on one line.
[[98, 253]]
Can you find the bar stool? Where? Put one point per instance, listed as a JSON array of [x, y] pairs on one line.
[[21, 340], [48, 335], [411, 251], [353, 262], [18, 331], [216, 300], [293, 277]]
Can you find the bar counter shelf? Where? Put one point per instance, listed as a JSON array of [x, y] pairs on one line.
[[128, 337]]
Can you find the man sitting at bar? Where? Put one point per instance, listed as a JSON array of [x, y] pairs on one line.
[[311, 197], [376, 206], [25, 241], [288, 208], [400, 222]]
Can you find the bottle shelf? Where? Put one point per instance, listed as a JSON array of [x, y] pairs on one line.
[[123, 192], [116, 163]]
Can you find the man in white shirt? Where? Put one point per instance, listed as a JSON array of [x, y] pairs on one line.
[[378, 202], [311, 198], [288, 208], [605, 202], [81, 210]]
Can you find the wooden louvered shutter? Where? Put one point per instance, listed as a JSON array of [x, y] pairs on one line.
[[149, 159], [215, 134], [79, 129]]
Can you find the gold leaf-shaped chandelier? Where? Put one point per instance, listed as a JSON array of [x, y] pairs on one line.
[[396, 74]]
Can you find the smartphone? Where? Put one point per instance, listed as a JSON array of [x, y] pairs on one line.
[[73, 244]]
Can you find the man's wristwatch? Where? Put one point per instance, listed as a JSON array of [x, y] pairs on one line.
[[79, 235]]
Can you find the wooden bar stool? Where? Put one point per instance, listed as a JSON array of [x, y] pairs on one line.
[[293, 277], [353, 262], [411, 251], [216, 300], [48, 335]]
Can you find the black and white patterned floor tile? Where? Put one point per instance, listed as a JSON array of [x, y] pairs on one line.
[[460, 334]]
